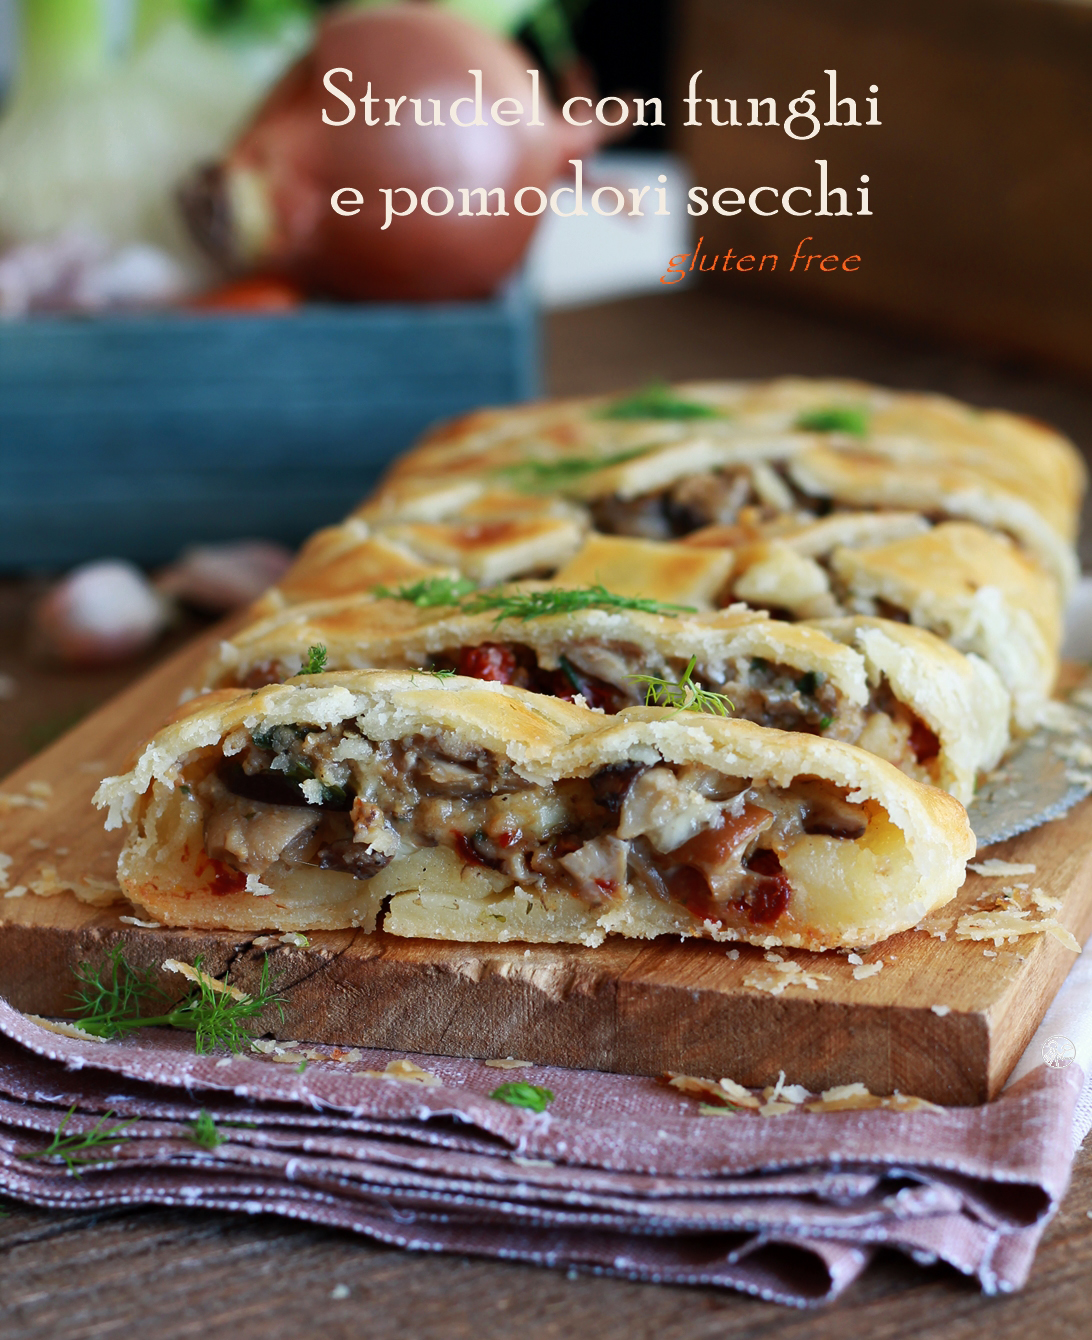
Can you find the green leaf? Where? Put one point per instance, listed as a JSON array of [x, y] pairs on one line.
[[518, 1094], [525, 605], [658, 401], [835, 419], [430, 592], [203, 1131]]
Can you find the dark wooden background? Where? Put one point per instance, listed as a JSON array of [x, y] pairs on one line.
[[184, 1274]]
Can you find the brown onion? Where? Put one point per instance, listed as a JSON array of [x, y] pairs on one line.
[[267, 205]]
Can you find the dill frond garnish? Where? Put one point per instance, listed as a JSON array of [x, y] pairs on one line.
[[70, 1148], [545, 476], [525, 605], [440, 674], [683, 695], [835, 419], [316, 661], [115, 994], [203, 1131], [658, 401], [430, 592], [518, 1094]]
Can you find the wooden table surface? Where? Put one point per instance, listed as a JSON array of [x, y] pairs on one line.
[[183, 1273]]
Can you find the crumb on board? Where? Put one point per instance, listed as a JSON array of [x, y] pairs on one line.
[[863, 970], [19, 891], [780, 976], [508, 1063], [854, 958], [1006, 925], [941, 1010], [733, 954], [38, 844], [17, 800], [144, 925], [995, 868]]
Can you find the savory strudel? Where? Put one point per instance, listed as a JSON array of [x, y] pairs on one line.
[[898, 691], [470, 811]]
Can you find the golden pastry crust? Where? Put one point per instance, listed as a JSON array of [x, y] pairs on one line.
[[925, 451], [978, 592], [851, 849], [960, 699]]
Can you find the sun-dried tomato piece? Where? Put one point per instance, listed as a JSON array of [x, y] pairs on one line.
[[496, 661]]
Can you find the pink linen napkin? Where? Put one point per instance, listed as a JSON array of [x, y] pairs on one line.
[[621, 1175]]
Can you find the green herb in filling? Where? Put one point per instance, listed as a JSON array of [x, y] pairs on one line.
[[835, 419]]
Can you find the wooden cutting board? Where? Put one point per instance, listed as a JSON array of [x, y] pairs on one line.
[[636, 1007]]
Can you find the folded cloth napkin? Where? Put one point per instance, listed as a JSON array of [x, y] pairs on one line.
[[621, 1175]]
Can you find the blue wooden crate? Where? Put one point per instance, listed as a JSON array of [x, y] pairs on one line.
[[137, 435]]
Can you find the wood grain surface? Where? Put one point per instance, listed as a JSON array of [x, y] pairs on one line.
[[632, 1006]]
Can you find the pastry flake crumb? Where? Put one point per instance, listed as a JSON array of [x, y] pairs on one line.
[[780, 976], [733, 954], [863, 970], [15, 800], [854, 958], [508, 1063], [941, 1010], [38, 844], [404, 1070], [98, 892], [40, 790], [724, 1092], [989, 953], [144, 925], [995, 868], [19, 891]]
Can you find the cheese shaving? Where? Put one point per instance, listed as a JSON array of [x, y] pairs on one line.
[[65, 1030], [995, 868], [204, 979]]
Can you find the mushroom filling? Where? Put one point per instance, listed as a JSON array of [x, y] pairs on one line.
[[686, 834], [746, 495]]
